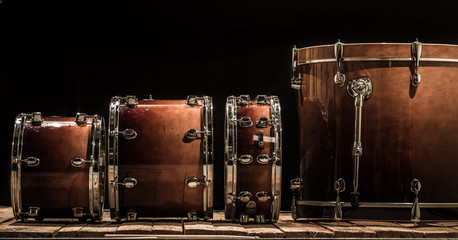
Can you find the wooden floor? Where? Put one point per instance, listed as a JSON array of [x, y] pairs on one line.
[[219, 228]]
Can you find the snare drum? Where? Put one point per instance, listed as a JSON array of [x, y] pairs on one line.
[[253, 158], [160, 158], [377, 129], [58, 167]]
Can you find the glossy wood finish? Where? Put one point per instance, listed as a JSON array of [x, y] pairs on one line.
[[254, 177], [407, 132], [160, 158], [55, 186]]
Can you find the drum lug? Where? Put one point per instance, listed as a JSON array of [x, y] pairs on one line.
[[415, 77], [193, 133], [415, 187], [193, 182], [37, 118], [263, 159], [263, 122], [192, 100], [80, 118], [131, 215], [245, 159], [244, 99], [296, 80], [33, 211], [243, 218], [339, 78], [78, 212], [339, 186], [260, 218], [192, 216], [296, 184], [244, 196], [131, 101], [30, 161], [128, 182], [128, 133], [261, 99], [296, 187], [79, 162], [263, 196], [245, 122]]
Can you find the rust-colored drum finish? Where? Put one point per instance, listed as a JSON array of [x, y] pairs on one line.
[[364, 117], [58, 167], [253, 158], [161, 158]]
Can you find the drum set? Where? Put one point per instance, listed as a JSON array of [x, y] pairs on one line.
[[380, 117]]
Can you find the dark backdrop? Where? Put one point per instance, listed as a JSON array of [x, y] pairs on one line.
[[62, 57]]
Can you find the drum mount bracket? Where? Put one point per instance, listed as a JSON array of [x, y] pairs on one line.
[[361, 89], [296, 80], [339, 78], [415, 77]]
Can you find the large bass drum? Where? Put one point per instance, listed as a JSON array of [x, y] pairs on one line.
[[58, 167], [378, 130], [253, 158], [160, 160]]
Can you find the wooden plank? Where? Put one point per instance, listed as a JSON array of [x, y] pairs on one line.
[[444, 223], [70, 230], [151, 236], [98, 230], [366, 223], [394, 232], [263, 230], [346, 229], [429, 230], [167, 228], [135, 228], [198, 228], [302, 229], [30, 229], [6, 213], [230, 229]]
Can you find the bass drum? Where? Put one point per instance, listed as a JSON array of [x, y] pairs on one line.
[[58, 167], [161, 158], [382, 119], [253, 159]]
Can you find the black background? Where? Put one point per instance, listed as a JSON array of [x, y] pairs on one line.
[[62, 57]]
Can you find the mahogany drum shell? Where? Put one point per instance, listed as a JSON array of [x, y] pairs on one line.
[[254, 177], [407, 132], [160, 158], [55, 186]]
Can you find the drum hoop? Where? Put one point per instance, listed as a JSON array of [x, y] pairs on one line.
[[378, 204], [96, 193], [16, 155], [207, 120], [230, 185], [377, 59], [112, 159], [275, 111]]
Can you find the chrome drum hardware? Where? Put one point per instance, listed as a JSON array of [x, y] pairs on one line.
[[415, 77], [244, 142], [339, 78]]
